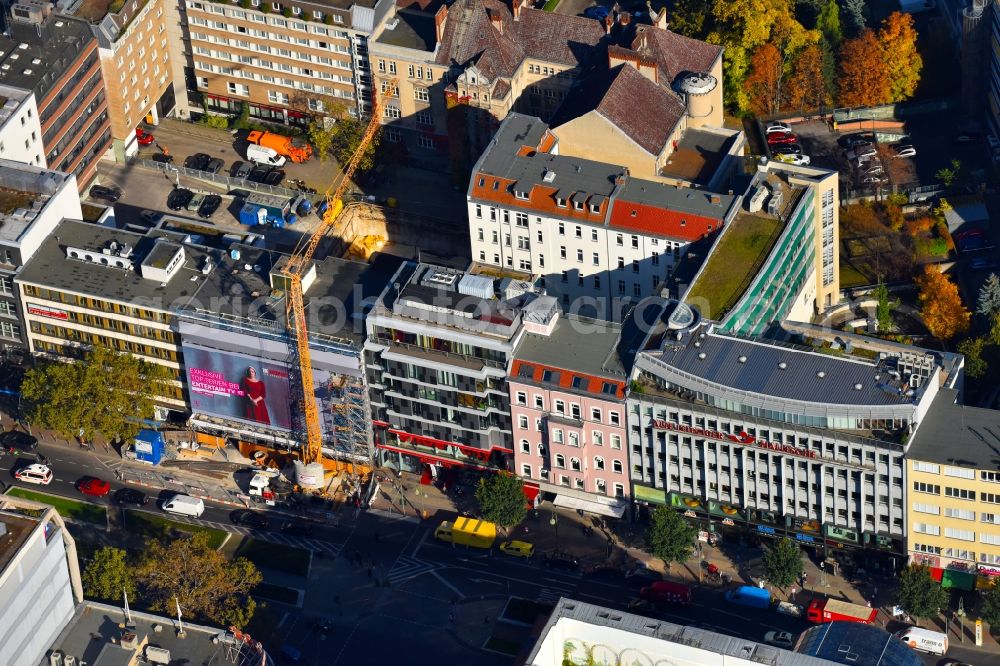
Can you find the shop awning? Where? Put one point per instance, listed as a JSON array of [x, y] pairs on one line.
[[613, 508]]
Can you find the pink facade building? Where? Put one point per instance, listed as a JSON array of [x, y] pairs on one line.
[[567, 403]]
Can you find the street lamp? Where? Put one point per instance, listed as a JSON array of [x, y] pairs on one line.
[[554, 522], [960, 614]]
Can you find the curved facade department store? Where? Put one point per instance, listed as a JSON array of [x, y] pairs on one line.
[[803, 439]]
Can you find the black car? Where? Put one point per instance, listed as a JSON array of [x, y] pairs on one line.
[[130, 497], [249, 519], [151, 217], [560, 559], [17, 440], [258, 174], [296, 529], [274, 177], [786, 149], [852, 140], [197, 161], [109, 194], [209, 205], [179, 198], [241, 169], [214, 165]]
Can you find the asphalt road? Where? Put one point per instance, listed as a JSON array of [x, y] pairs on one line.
[[414, 583]]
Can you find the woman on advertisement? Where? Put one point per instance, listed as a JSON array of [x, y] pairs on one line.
[[255, 392]]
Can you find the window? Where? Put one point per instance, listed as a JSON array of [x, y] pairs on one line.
[[598, 462], [574, 439], [526, 470], [391, 111], [522, 422], [593, 235], [597, 437], [525, 446], [539, 402], [931, 488], [992, 539], [522, 398], [562, 229], [595, 414], [989, 498], [597, 259], [990, 518], [959, 472], [579, 256], [620, 240], [616, 441], [960, 493], [925, 528], [574, 464], [616, 466], [602, 486], [557, 436], [619, 490], [964, 535], [926, 508], [961, 514], [615, 418], [560, 407], [562, 251], [934, 550], [560, 461], [993, 477], [635, 242], [421, 95], [424, 118], [925, 467]]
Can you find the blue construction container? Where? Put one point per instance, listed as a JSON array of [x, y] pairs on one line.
[[148, 446]]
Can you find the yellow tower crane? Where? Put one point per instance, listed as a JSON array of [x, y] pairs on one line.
[[298, 264]]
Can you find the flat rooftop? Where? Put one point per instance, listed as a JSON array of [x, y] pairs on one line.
[[698, 156], [577, 345], [25, 190], [35, 57], [18, 528], [733, 263], [93, 636], [413, 29], [958, 435]]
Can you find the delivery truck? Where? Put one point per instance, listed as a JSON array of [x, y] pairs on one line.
[[924, 640], [467, 531], [833, 610], [296, 151], [747, 595], [184, 505]]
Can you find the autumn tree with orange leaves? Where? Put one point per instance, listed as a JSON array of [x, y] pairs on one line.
[[807, 86], [902, 60], [864, 77], [764, 84], [941, 307]]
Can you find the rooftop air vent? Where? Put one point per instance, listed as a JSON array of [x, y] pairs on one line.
[[549, 176], [821, 374], [858, 387], [701, 355], [743, 359]]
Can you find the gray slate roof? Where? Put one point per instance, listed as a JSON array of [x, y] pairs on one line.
[[578, 344], [953, 434]]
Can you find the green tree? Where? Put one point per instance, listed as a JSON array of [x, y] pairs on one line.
[[883, 309], [783, 563], [669, 536], [972, 349], [988, 303], [108, 575], [828, 23], [919, 594], [346, 136], [995, 329], [201, 579], [949, 174], [501, 499], [990, 611], [105, 392], [690, 18], [321, 139]]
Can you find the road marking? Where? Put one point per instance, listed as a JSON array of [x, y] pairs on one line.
[[736, 615], [548, 597], [454, 589], [406, 568]]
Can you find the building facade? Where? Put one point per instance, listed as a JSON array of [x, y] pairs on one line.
[[34, 202], [953, 502], [20, 128], [779, 439], [287, 61], [600, 239], [440, 343], [136, 67], [56, 58], [567, 403]]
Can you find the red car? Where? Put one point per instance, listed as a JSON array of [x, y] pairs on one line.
[[780, 137], [143, 137], [93, 487]]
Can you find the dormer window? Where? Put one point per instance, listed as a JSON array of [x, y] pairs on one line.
[[482, 182], [560, 202], [519, 194], [594, 208], [578, 205]]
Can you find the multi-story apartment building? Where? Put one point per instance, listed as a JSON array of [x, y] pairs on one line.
[[288, 61], [20, 129], [39, 580], [33, 202], [135, 65], [600, 239], [567, 404], [953, 492], [789, 217], [778, 438], [55, 57], [481, 59], [440, 343]]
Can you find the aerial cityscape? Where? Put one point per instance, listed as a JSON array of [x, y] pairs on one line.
[[549, 333]]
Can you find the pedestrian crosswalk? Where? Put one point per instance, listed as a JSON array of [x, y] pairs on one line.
[[549, 597], [325, 547], [406, 568]]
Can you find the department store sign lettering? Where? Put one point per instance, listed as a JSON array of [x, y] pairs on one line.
[[741, 438]]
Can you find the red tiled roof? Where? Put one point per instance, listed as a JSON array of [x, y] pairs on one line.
[[646, 112], [594, 384], [660, 221], [674, 53]]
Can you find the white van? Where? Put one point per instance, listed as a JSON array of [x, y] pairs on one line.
[[261, 155], [184, 505], [924, 640]]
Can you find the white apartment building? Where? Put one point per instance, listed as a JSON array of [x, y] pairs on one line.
[[20, 129], [599, 239]]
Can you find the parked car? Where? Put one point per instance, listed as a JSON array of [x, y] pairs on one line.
[[178, 198], [151, 217], [92, 486], [195, 203], [905, 150], [36, 473], [786, 149], [130, 497], [241, 169], [871, 180], [274, 177], [197, 161], [143, 138], [518, 548], [258, 174], [110, 194], [781, 137], [969, 243], [871, 169], [798, 160], [209, 205], [777, 127], [782, 639], [215, 165], [967, 137], [559, 559], [249, 519], [597, 13], [852, 140], [862, 151], [15, 440]]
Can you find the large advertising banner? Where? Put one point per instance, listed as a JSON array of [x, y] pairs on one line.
[[238, 387]]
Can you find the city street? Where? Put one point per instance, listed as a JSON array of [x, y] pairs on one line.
[[375, 577]]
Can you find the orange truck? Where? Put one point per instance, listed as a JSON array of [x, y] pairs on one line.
[[296, 151], [835, 610]]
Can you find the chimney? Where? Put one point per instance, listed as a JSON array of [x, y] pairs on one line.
[[661, 19], [624, 19], [440, 18], [715, 199], [497, 22], [515, 8], [608, 22]]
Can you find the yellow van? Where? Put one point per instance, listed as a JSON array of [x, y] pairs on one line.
[[518, 548]]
